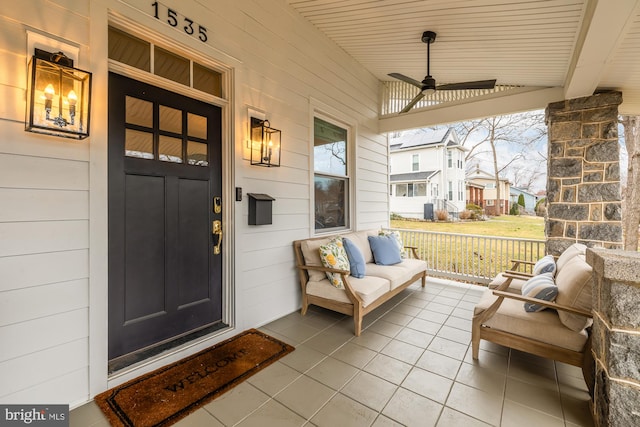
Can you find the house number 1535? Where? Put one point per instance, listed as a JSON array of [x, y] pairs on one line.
[[174, 19]]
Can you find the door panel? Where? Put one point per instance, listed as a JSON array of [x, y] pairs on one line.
[[194, 231], [144, 222], [164, 172]]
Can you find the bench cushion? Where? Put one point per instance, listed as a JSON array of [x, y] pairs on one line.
[[311, 254], [368, 289], [544, 326], [360, 239], [397, 274]]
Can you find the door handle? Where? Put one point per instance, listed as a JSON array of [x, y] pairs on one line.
[[217, 231]]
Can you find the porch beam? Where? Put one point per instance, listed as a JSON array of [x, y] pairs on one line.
[[603, 28], [513, 101]]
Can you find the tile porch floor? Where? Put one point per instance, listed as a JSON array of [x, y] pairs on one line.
[[411, 366]]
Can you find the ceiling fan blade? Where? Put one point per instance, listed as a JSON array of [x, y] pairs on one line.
[[406, 79], [413, 102], [480, 84]]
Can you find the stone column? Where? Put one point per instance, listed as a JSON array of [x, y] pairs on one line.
[[616, 337], [583, 181]]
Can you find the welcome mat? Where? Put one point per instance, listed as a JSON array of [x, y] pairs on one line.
[[164, 396]]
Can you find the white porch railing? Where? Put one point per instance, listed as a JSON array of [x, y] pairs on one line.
[[468, 257]]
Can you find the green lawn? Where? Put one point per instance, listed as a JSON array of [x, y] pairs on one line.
[[526, 227]]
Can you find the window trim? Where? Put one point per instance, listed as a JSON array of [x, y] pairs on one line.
[[330, 115]]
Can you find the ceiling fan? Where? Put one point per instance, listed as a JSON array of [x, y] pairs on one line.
[[428, 85]]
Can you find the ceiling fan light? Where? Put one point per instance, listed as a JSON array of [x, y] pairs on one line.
[[428, 91]]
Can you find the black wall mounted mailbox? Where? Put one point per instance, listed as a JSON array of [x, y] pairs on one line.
[[260, 209]]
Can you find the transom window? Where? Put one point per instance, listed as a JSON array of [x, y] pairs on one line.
[[148, 57], [331, 175]]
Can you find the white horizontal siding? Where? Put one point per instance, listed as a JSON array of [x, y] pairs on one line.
[[39, 334], [41, 301], [43, 205], [70, 389], [33, 369], [23, 271], [20, 238], [17, 171], [44, 224]]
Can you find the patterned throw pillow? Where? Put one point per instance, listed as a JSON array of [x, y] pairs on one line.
[[398, 239], [546, 264], [333, 255], [542, 287]]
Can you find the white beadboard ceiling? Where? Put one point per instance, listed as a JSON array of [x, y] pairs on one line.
[[578, 45]]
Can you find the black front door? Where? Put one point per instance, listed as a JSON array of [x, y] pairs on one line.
[[164, 200]]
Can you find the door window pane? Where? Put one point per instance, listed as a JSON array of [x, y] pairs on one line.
[[197, 153], [138, 144], [170, 119], [170, 149], [197, 126], [330, 202], [170, 66], [139, 112]]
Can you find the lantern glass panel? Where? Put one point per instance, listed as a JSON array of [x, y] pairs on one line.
[[59, 98]]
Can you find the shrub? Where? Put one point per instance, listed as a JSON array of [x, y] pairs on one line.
[[466, 214], [521, 200], [476, 211], [541, 207], [442, 215], [394, 215], [515, 209]]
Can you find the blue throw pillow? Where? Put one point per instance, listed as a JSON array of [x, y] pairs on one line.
[[385, 250], [356, 259]]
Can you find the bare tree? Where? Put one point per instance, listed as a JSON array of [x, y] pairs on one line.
[[631, 212], [524, 131]]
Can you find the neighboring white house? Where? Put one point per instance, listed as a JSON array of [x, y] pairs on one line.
[[427, 168], [480, 177]]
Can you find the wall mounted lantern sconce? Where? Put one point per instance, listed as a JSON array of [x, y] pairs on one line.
[[265, 143], [59, 96]]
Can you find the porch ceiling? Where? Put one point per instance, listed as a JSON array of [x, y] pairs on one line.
[[557, 49]]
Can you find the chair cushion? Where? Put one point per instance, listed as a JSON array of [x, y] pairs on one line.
[[385, 250], [543, 326], [546, 264], [515, 287], [574, 282], [570, 252], [311, 254], [333, 255], [356, 259], [368, 289], [542, 287]]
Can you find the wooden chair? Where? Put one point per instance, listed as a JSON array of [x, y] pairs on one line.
[[561, 332]]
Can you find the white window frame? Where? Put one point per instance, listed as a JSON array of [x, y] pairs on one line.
[[335, 117], [415, 162]]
